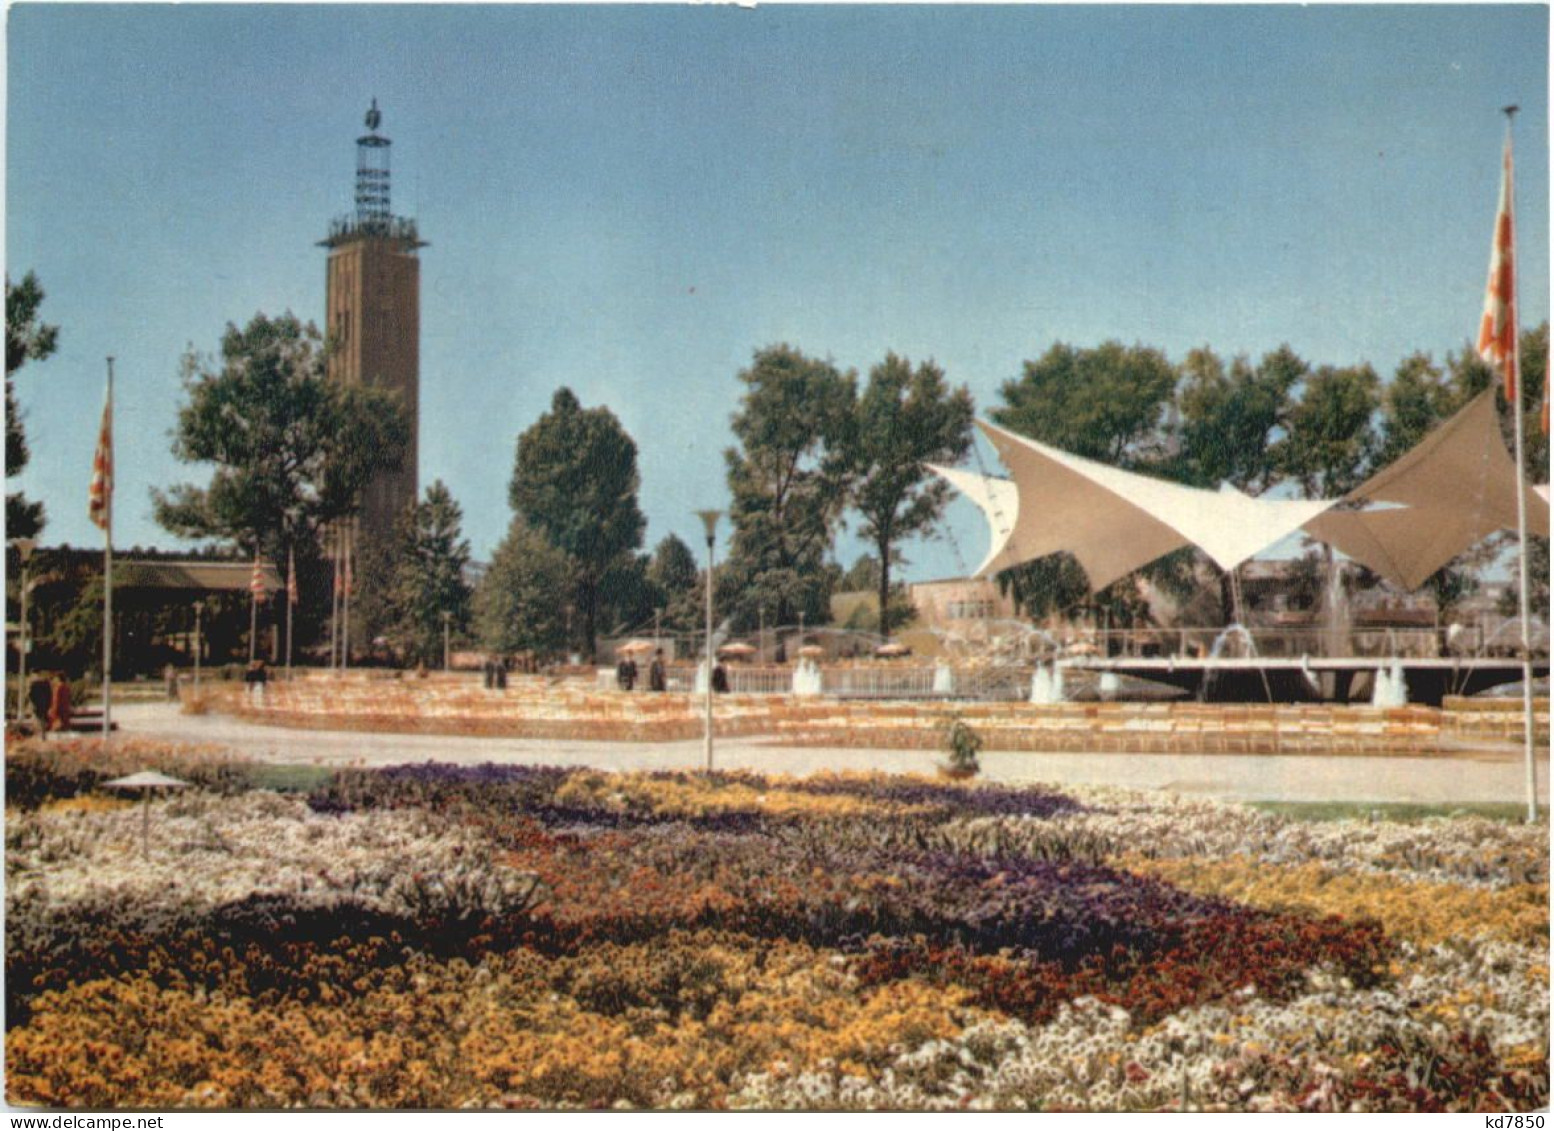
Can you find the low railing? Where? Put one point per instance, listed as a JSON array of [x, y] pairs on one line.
[[1312, 640], [878, 683]]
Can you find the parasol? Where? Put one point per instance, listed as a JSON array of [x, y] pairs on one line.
[[146, 781]]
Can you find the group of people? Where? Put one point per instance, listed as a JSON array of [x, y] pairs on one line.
[[626, 674], [658, 674], [51, 702], [494, 673]]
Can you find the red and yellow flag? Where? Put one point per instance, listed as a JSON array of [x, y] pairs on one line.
[[256, 582], [1497, 330], [100, 494]]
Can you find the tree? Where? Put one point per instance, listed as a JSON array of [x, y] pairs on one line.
[[575, 483], [676, 584], [515, 604], [626, 596], [26, 339], [1103, 403], [1535, 363], [292, 450], [905, 419], [1330, 441], [1228, 419], [788, 477], [426, 577], [863, 577]]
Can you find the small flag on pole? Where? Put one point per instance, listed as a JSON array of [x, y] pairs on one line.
[[100, 495], [291, 579], [256, 583], [1497, 330], [335, 545]]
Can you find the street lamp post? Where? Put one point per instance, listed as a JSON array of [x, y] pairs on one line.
[[447, 617], [199, 646], [24, 548], [709, 519]]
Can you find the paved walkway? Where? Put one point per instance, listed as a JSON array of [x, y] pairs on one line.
[[1439, 780]]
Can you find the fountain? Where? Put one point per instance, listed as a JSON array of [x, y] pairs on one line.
[[1237, 631], [1391, 688], [806, 678], [1047, 685]]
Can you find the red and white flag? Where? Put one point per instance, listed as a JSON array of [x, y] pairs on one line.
[[1497, 330], [100, 495], [256, 582]]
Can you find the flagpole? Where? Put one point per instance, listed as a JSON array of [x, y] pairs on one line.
[[253, 614], [345, 599], [291, 600], [1529, 719], [108, 592]]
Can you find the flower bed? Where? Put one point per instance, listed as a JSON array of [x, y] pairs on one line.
[[540, 707], [441, 936]]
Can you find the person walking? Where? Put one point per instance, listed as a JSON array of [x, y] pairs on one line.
[[59, 704], [656, 680], [256, 677]]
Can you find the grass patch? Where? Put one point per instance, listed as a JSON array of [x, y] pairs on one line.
[[286, 778], [1402, 811]]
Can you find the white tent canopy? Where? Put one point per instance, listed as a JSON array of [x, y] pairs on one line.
[[1114, 521], [1452, 490]]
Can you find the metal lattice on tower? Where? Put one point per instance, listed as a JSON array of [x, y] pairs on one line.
[[374, 215], [372, 174]]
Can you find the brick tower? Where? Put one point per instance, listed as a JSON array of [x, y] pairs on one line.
[[373, 315]]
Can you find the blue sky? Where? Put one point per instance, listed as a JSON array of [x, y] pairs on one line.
[[631, 200]]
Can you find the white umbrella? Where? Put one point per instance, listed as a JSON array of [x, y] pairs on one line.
[[146, 781]]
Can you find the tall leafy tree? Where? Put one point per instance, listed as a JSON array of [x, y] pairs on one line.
[[1535, 363], [1104, 403], [290, 449], [575, 483], [626, 596], [788, 476], [1229, 417], [26, 339], [515, 605], [676, 583], [1330, 439], [905, 419], [427, 576]]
